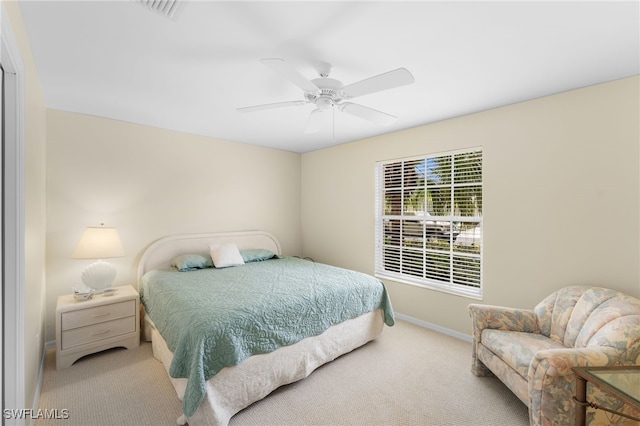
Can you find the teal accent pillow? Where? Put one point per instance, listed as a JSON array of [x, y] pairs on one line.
[[191, 262], [256, 255]]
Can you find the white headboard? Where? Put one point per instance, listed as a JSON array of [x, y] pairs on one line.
[[160, 253]]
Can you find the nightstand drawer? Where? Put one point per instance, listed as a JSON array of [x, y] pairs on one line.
[[96, 332], [97, 314]]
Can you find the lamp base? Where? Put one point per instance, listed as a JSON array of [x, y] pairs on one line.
[[99, 275]]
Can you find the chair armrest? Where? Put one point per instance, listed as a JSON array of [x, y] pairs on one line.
[[559, 362], [496, 317], [552, 382], [502, 318]]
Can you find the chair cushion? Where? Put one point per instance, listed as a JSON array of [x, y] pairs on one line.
[[555, 310], [516, 348]]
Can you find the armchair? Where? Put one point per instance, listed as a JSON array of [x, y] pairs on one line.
[[533, 351]]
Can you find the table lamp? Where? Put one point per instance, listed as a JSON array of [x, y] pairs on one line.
[[99, 243]]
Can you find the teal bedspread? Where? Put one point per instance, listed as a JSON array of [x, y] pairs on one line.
[[214, 318]]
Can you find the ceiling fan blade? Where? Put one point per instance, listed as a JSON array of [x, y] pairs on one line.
[[290, 73], [367, 113], [315, 121], [270, 106], [378, 83]]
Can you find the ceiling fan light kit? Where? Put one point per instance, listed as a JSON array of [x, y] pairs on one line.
[[327, 93]]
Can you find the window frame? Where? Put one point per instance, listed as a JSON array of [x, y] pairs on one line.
[[383, 219]]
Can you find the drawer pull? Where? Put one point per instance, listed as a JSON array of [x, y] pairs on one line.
[[97, 333], [101, 315]]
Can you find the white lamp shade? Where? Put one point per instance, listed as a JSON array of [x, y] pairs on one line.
[[99, 243]]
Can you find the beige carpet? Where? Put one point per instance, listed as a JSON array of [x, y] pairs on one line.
[[408, 376]]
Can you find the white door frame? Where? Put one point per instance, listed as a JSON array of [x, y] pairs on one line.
[[13, 375], [1, 232]]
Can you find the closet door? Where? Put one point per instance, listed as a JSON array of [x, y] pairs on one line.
[[12, 218], [2, 221]]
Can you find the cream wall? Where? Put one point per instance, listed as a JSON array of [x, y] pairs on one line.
[[577, 152], [561, 198], [34, 204], [149, 183]]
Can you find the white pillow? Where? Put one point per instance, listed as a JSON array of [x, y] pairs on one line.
[[225, 255]]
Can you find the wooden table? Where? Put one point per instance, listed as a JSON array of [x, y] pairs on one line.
[[622, 382]]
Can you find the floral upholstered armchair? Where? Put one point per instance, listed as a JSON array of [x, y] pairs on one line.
[[532, 351]]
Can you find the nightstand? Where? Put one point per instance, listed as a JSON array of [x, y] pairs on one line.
[[90, 326]]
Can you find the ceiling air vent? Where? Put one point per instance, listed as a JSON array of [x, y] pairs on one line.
[[166, 8]]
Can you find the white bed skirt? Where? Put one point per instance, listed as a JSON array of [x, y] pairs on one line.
[[235, 388]]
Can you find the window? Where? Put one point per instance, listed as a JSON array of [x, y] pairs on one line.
[[429, 221]]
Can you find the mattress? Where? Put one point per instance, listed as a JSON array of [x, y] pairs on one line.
[[235, 388], [213, 319]]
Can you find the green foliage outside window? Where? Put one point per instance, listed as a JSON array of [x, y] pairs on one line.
[[430, 223]]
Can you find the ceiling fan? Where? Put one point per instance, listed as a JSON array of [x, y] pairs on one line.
[[328, 94]]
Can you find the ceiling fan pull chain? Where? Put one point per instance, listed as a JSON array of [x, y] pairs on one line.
[[333, 124]]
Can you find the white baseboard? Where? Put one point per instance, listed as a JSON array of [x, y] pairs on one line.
[[36, 397], [435, 327]]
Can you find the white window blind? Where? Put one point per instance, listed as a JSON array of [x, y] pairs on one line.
[[429, 221]]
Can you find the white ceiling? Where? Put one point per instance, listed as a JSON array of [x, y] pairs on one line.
[[119, 60]]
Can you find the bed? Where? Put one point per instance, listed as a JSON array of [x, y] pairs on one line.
[[231, 334]]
